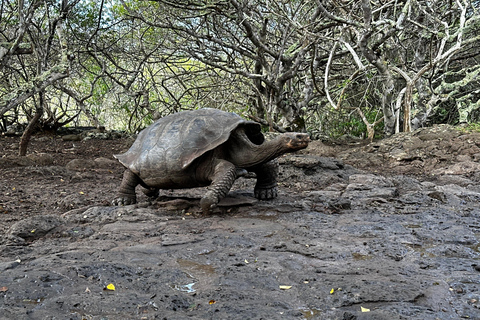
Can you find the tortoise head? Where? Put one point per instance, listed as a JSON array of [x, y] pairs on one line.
[[296, 141]]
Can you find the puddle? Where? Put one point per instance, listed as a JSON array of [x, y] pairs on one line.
[[195, 269], [358, 256], [188, 288], [310, 313]]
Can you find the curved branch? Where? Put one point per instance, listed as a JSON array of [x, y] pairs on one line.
[[327, 70]]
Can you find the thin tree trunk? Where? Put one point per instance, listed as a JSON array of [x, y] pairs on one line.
[[407, 118], [27, 134]]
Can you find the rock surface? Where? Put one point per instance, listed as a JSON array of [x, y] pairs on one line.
[[388, 230]]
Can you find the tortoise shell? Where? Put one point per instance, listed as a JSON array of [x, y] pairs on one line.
[[172, 143]]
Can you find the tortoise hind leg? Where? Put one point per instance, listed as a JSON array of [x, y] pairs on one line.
[[223, 177], [126, 193], [151, 193], [266, 186]]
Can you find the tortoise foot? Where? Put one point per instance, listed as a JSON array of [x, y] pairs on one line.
[[266, 193], [123, 200], [208, 202]]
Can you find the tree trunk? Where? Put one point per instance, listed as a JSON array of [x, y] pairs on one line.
[[27, 134], [407, 107], [387, 84], [388, 88], [421, 85], [387, 102]]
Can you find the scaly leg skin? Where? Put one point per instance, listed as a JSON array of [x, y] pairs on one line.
[[266, 186], [224, 176], [150, 192], [126, 193]]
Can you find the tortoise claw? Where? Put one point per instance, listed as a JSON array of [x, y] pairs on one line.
[[124, 201], [266, 193]]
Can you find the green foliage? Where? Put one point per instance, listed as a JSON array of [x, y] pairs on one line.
[[337, 123], [353, 125], [469, 128]]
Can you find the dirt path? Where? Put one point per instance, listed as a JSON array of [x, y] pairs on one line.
[[395, 240]]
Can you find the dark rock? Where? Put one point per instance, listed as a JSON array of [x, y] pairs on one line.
[[438, 195], [35, 227]]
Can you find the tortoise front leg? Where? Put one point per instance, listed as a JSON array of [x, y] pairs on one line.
[[126, 193], [266, 186], [223, 177]]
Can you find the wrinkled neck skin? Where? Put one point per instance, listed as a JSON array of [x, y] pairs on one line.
[[244, 153]]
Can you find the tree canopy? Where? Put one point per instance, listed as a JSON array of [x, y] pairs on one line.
[[355, 67]]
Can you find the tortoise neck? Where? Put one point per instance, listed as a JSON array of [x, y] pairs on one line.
[[244, 153]]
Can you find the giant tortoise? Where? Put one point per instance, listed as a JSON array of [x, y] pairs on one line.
[[205, 147]]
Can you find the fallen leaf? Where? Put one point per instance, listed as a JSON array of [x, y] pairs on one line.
[[33, 231], [285, 287], [87, 290], [246, 261], [110, 287], [3, 289], [332, 291], [212, 302], [81, 192], [364, 309]]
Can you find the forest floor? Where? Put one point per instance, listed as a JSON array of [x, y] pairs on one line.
[[386, 230]]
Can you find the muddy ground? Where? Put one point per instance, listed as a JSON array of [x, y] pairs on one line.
[[387, 230]]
